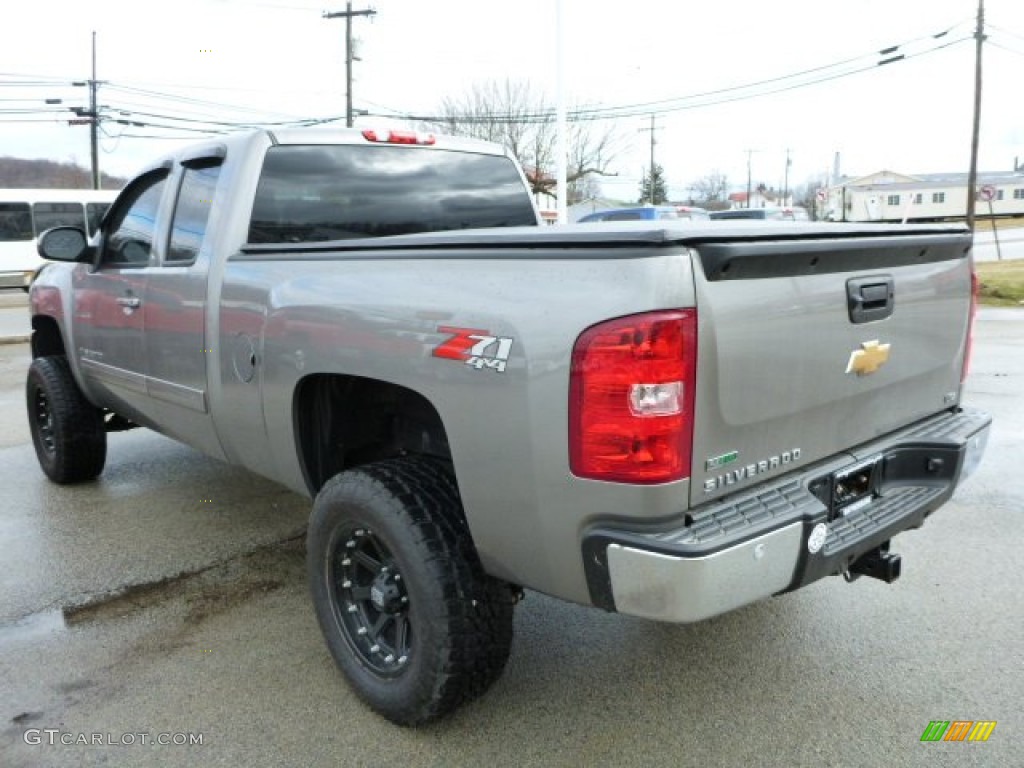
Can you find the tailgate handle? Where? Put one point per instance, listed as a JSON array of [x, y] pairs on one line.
[[870, 298]]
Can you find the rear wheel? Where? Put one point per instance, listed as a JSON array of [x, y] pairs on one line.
[[67, 430], [408, 614]]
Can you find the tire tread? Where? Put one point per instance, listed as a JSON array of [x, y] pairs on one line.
[[79, 434], [476, 620]]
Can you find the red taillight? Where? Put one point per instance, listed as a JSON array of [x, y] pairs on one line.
[[399, 137], [631, 398], [970, 327]]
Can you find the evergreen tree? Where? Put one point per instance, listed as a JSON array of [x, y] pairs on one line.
[[653, 188]]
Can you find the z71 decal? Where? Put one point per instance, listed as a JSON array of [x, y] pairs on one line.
[[474, 347]]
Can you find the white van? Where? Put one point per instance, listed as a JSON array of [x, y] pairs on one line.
[[27, 213]]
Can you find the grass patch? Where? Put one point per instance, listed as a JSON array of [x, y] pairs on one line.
[[985, 225], [1001, 283]]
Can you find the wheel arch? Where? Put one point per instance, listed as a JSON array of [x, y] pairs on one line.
[[344, 421], [46, 337]]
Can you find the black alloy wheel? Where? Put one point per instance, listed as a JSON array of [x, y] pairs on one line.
[[372, 601], [407, 611]]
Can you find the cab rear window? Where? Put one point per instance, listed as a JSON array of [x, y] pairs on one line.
[[337, 192]]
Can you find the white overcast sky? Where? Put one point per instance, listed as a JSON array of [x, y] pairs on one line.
[[280, 60]]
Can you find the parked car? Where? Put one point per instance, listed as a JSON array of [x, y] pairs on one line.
[[771, 213], [646, 213]]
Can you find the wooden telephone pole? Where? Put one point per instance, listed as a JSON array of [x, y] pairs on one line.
[[972, 175], [347, 14]]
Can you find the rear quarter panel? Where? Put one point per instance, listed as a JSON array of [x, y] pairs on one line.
[[380, 318]]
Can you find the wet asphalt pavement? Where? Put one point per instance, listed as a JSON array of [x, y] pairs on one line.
[[168, 600]]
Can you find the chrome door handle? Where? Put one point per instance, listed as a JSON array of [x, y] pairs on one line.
[[130, 302]]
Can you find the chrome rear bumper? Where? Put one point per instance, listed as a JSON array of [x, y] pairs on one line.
[[782, 535]]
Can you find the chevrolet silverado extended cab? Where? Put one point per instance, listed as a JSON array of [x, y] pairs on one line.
[[669, 420]]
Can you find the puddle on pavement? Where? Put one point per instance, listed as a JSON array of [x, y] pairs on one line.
[[206, 591], [32, 627]]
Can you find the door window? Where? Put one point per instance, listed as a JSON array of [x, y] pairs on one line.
[[192, 214], [129, 242]]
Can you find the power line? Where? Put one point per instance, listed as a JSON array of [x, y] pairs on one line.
[[679, 103], [699, 100], [1005, 31], [114, 86], [259, 117], [1005, 48], [881, 52], [223, 123]]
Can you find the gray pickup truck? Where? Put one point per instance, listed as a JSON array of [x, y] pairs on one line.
[[665, 419]]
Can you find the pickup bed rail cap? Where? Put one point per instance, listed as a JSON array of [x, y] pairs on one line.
[[617, 234]]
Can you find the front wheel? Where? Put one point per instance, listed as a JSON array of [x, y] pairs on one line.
[[67, 430], [408, 614]]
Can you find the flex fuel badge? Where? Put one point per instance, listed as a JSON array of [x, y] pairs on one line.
[[476, 348], [714, 462]]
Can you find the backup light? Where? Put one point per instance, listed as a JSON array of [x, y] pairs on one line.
[[656, 399]]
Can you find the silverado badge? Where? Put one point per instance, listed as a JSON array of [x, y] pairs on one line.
[[868, 359]]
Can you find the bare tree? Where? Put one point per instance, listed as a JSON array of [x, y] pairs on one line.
[[586, 188], [711, 191], [510, 113], [806, 195]]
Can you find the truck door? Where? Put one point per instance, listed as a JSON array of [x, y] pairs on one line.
[[108, 299], [174, 313]]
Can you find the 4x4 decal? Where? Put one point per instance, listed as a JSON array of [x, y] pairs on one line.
[[474, 347]]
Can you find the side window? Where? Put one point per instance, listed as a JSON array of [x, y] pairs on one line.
[[192, 213], [625, 216], [129, 241], [15, 222], [49, 215]]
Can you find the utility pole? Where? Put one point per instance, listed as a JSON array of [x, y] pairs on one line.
[[650, 170], [972, 176], [93, 120], [348, 13], [562, 128], [91, 116], [785, 184], [749, 190]]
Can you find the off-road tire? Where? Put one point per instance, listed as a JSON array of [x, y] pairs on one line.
[[67, 430], [438, 631]]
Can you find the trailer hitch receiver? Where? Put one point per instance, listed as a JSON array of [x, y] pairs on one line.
[[879, 563]]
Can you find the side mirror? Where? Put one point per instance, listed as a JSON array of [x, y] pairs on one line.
[[64, 244]]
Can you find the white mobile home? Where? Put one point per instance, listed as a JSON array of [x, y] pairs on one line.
[[889, 196]]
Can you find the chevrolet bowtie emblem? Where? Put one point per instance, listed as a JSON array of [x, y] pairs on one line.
[[868, 359]]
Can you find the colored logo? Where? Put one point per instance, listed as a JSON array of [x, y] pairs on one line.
[[958, 730], [868, 359], [476, 348]]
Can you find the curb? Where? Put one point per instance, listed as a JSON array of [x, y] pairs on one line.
[[16, 339]]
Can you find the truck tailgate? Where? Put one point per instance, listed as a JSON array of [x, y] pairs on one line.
[[810, 347]]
